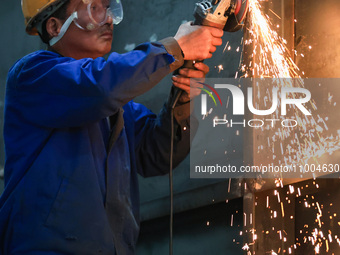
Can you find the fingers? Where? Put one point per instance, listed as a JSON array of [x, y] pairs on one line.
[[188, 94], [198, 42], [189, 90], [186, 83], [191, 73], [182, 86], [202, 67], [186, 73], [181, 80], [212, 49], [217, 41], [200, 71], [208, 55], [216, 32]]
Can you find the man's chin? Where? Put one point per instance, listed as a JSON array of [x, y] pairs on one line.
[[108, 49], [105, 51], [105, 46]]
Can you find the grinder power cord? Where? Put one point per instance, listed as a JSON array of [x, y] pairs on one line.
[[228, 15]]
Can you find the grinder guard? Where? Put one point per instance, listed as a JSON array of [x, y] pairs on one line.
[[224, 14], [236, 20]]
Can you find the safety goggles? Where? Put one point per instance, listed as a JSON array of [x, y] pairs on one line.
[[92, 14]]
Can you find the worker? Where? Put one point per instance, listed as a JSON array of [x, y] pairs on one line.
[[74, 139]]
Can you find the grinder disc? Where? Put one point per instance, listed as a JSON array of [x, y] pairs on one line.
[[236, 20]]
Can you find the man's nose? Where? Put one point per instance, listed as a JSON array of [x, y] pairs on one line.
[[109, 20]]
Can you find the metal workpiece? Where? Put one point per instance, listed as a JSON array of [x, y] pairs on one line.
[[287, 212]]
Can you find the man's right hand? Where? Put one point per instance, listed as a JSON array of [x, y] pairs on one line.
[[198, 42]]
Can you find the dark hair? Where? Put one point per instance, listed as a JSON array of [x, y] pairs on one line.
[[60, 13]]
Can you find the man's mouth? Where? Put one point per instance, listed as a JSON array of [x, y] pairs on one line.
[[107, 33]]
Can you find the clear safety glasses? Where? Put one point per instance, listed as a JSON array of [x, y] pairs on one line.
[[92, 14]]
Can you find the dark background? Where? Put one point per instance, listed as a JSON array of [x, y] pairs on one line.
[[148, 21]]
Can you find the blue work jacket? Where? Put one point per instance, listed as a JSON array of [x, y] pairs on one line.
[[61, 171]]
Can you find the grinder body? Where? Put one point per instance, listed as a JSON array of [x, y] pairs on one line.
[[228, 15]]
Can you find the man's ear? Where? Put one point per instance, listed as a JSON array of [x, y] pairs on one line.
[[53, 26]]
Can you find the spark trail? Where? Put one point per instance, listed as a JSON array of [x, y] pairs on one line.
[[307, 142], [270, 58]]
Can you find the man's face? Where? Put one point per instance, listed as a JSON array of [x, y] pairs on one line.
[[80, 43]]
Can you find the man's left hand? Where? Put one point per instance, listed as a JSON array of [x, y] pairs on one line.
[[182, 81]]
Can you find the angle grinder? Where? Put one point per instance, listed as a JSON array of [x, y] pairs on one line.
[[228, 15]]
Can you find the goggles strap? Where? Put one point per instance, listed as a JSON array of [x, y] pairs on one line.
[[63, 29]]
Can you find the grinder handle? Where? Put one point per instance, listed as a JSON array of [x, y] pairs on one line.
[[190, 64]]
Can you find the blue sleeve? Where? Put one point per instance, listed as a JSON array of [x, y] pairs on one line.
[[153, 136], [55, 91]]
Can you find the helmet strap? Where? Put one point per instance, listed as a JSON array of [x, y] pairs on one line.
[[63, 29]]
